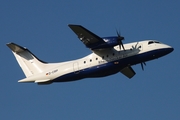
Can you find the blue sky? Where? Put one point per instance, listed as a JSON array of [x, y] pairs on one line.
[[41, 26]]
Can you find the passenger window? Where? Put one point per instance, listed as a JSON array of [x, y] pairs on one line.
[[90, 60], [84, 62], [96, 58]]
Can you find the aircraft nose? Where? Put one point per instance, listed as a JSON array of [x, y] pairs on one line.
[[169, 49], [166, 50], [172, 49]]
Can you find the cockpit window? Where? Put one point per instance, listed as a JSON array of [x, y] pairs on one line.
[[156, 42], [151, 42]]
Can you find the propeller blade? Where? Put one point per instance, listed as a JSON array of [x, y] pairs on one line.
[[142, 66], [118, 33], [122, 46], [136, 45], [120, 38]]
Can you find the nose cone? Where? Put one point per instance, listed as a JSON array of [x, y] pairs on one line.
[[163, 51], [169, 49]]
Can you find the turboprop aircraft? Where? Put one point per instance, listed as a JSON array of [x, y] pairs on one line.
[[109, 56]]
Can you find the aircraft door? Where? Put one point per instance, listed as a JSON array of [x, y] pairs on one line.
[[76, 67]]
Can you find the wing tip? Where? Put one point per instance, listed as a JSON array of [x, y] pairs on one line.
[[74, 25]]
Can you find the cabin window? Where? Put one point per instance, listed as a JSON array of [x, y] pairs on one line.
[[113, 54], [96, 58], [102, 57], [90, 60], [107, 56], [84, 62]]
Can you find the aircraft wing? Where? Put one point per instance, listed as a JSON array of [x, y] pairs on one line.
[[90, 39], [128, 72]]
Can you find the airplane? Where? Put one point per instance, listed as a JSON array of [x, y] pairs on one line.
[[109, 56]]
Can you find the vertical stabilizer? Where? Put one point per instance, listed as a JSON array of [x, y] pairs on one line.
[[28, 62]]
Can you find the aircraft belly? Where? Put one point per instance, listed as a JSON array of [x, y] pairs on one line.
[[96, 71]]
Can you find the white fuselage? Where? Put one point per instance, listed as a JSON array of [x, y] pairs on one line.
[[103, 62]]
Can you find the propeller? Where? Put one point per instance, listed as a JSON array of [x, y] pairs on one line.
[[142, 65], [120, 38], [135, 47]]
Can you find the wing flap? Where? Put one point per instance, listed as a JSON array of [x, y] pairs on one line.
[[128, 72]]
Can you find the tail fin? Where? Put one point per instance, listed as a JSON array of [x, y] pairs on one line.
[[28, 62]]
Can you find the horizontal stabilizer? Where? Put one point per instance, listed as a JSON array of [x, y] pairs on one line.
[[16, 48], [42, 81], [31, 79]]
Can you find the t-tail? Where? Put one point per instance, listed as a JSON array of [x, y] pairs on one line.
[[29, 63]]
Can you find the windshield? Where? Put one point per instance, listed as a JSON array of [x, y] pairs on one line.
[[151, 42]]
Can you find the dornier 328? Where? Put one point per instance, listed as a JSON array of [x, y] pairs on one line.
[[109, 56]]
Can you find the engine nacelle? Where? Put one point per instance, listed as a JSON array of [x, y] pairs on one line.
[[109, 43]]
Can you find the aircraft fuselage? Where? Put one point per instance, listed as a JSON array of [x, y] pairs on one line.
[[111, 61]]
